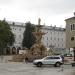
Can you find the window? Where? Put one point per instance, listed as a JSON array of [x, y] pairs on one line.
[[49, 58], [54, 38], [58, 39], [72, 38], [51, 38], [55, 43], [47, 38], [58, 33], [47, 44], [62, 45], [56, 58], [52, 58], [20, 29], [58, 45], [72, 26], [62, 39]]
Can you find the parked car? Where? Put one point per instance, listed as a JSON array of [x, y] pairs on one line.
[[49, 60]]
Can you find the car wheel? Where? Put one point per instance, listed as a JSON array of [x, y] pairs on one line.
[[57, 64], [39, 64]]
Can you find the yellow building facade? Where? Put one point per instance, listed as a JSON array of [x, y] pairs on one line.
[[70, 32]]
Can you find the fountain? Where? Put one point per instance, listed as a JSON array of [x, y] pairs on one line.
[[38, 49]]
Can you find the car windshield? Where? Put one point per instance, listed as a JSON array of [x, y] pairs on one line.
[[47, 58]]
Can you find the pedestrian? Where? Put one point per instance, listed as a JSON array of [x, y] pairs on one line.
[[2, 58], [62, 56], [26, 59]]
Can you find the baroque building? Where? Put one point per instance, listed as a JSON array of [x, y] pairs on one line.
[[54, 38], [70, 34]]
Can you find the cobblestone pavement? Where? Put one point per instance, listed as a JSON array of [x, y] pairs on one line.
[[16, 68]]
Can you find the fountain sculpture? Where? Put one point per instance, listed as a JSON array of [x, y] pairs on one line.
[[38, 49]]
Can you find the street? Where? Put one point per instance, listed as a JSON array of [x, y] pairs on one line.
[[21, 68]]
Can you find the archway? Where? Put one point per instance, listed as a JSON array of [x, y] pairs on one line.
[[19, 48], [8, 51], [13, 50]]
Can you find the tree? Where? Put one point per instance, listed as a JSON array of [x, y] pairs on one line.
[[6, 36], [28, 39]]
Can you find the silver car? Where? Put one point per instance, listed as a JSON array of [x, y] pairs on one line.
[[49, 60]]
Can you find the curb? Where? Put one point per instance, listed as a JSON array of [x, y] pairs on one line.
[[67, 63]]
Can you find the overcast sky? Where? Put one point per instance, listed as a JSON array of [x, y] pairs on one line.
[[50, 11]]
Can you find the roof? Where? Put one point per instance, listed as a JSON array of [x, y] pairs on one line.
[[70, 18], [18, 24], [53, 28]]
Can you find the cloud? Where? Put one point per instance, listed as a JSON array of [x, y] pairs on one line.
[[48, 10], [5, 2], [50, 6]]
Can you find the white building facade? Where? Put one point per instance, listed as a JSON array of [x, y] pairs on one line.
[[18, 30], [54, 38]]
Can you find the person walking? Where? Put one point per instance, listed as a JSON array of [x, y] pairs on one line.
[[26, 59], [62, 56]]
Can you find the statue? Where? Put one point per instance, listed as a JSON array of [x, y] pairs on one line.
[[38, 49]]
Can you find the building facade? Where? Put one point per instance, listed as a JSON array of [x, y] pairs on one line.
[[18, 29], [70, 32], [54, 38]]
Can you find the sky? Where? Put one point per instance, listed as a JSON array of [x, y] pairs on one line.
[[51, 12]]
